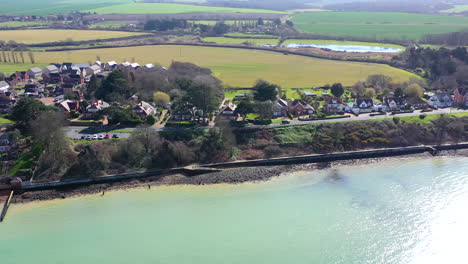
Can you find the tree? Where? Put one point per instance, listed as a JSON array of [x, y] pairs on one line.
[[399, 92], [277, 21], [31, 57], [26, 110], [202, 94], [370, 93], [2, 76], [260, 22], [243, 109], [150, 120], [414, 90], [114, 88], [264, 110], [93, 86], [161, 99], [337, 90], [220, 28], [264, 91], [358, 89], [378, 81]]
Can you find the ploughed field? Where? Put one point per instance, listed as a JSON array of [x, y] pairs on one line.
[[166, 8], [377, 25], [238, 67], [53, 35]]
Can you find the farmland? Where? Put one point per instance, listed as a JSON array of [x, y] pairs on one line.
[[336, 42], [43, 36], [10, 68], [228, 22], [14, 24], [237, 67], [456, 9], [377, 25], [252, 41], [164, 8], [49, 7]]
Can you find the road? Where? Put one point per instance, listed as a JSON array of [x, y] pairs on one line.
[[74, 131]]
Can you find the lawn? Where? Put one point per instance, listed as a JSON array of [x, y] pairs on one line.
[[51, 35], [42, 7], [456, 9], [239, 67], [6, 121], [377, 25], [10, 68], [336, 42], [255, 42], [232, 93], [166, 8]]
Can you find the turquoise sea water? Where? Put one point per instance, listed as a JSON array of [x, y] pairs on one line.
[[401, 211]]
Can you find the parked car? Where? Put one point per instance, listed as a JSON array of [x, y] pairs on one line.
[[106, 136], [83, 137], [101, 137], [115, 136], [285, 122], [95, 137], [88, 138]]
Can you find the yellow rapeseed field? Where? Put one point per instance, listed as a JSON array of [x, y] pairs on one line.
[[237, 67], [53, 35]]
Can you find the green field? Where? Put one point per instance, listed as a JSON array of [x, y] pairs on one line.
[[239, 67], [164, 8], [377, 25], [112, 24], [254, 42], [456, 9], [228, 22], [50, 7], [53, 35], [336, 42], [14, 24], [251, 35], [10, 68]]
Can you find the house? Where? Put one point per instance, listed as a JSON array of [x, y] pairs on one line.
[[93, 109], [35, 73], [143, 110], [20, 76], [92, 70], [460, 97], [68, 106], [110, 66], [135, 65], [310, 94], [7, 142], [364, 105], [81, 66], [228, 112], [31, 88], [300, 108], [4, 86], [393, 104], [149, 66], [441, 100], [417, 103], [73, 78], [12, 82], [50, 69], [7, 102], [53, 78], [280, 108], [334, 105]]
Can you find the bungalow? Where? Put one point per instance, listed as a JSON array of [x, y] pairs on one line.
[[228, 112], [280, 108], [417, 103], [334, 105], [4, 86], [7, 142], [92, 70], [460, 97], [310, 94], [68, 106], [35, 73], [393, 103], [440, 100], [50, 69], [93, 109], [300, 108], [364, 105], [143, 110]]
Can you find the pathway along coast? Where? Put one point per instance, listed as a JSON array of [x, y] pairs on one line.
[[233, 173]]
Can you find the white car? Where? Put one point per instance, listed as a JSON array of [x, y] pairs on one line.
[[95, 137], [101, 137]]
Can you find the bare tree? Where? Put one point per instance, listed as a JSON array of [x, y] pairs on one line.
[[31, 57]]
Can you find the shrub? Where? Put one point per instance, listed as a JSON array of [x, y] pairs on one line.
[[422, 116], [396, 120]]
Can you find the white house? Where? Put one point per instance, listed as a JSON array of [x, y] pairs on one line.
[[4, 86], [50, 69], [440, 100], [92, 70]]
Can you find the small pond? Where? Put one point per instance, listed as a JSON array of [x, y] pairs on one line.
[[345, 48]]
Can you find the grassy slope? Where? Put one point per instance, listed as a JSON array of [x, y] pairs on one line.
[[239, 67], [42, 36], [456, 9], [335, 42], [377, 24], [164, 8], [49, 7], [240, 41]]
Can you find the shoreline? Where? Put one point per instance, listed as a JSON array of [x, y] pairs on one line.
[[228, 176]]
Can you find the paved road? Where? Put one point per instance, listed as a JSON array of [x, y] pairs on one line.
[[73, 131]]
